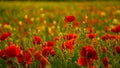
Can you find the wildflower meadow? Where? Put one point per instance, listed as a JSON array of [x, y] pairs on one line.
[[59, 34]]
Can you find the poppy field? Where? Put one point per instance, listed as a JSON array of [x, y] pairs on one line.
[[60, 34]]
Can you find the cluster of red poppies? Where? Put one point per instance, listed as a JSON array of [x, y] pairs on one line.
[[88, 54], [24, 56]]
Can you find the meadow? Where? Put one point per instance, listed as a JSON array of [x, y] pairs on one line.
[[59, 34]]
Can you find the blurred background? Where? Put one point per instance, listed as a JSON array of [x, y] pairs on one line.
[[60, 0]]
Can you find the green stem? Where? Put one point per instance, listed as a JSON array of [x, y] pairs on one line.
[[18, 64]]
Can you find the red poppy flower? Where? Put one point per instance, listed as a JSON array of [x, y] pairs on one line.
[[91, 36], [109, 36], [116, 29], [2, 54], [66, 45], [41, 59], [82, 61], [21, 59], [37, 55], [69, 44], [36, 40], [48, 50], [25, 57], [70, 18], [12, 51], [117, 49], [89, 53], [105, 62], [50, 43], [104, 38], [70, 36], [5, 35], [104, 49]]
